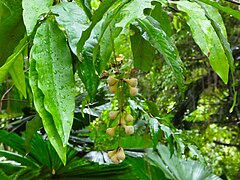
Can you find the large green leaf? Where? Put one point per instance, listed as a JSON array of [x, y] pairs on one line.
[[47, 118], [11, 27], [32, 11], [227, 10], [55, 76], [163, 43], [97, 16], [133, 11], [206, 37], [176, 168], [73, 19], [12, 59], [143, 52]]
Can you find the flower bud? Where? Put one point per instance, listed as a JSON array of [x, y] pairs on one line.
[[129, 118], [122, 121], [112, 81], [120, 154], [114, 159], [111, 131], [111, 153], [113, 89], [113, 114], [132, 82], [129, 130], [133, 91]]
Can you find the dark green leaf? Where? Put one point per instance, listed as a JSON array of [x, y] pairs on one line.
[[31, 128], [87, 73], [143, 52], [11, 28], [159, 39], [86, 5]]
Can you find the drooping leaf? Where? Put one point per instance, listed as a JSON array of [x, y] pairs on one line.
[[159, 39], [218, 25], [97, 16], [12, 59], [73, 19], [32, 11], [11, 28], [47, 118], [133, 11], [31, 128], [143, 52], [17, 73], [87, 73], [206, 37], [227, 10], [55, 76]]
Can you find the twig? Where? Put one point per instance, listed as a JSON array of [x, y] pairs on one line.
[[225, 144], [4, 96]]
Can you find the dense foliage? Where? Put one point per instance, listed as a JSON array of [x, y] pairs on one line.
[[129, 89]]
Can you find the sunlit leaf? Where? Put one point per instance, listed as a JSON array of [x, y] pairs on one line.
[[32, 11]]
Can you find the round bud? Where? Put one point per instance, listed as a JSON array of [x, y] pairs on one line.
[[112, 81], [111, 153], [113, 89], [111, 131], [120, 154], [113, 114], [133, 91], [129, 130], [129, 118], [133, 82]]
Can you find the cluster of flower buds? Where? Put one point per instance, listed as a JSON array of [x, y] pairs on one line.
[[124, 119], [117, 155], [132, 83], [113, 83]]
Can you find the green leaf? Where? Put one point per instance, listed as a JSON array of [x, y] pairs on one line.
[[73, 19], [18, 158], [12, 59], [206, 37], [218, 25], [227, 10], [17, 73], [47, 118], [4, 176], [133, 11], [88, 75], [11, 28], [32, 11], [176, 168], [31, 128], [159, 39], [97, 16], [12, 140], [162, 17], [86, 5], [55, 76], [143, 52]]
